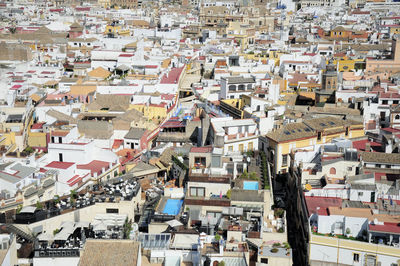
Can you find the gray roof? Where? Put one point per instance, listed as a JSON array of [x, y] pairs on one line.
[[363, 187], [135, 133], [234, 80], [23, 171], [247, 195], [9, 178]]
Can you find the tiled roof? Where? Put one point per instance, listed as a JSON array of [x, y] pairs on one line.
[[385, 228], [320, 205], [201, 149], [173, 76], [59, 165], [380, 157], [109, 252]]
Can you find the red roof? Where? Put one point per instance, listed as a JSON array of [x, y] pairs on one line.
[[150, 66], [72, 179], [83, 8], [125, 55], [361, 144], [37, 126], [15, 87], [94, 166], [377, 176], [385, 228], [59, 165], [117, 143], [389, 95], [170, 97], [320, 205], [201, 149], [59, 133], [173, 76]]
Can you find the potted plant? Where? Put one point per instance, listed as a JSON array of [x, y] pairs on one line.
[[274, 250], [348, 231]]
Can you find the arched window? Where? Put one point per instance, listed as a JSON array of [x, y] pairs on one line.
[[397, 117], [232, 87], [332, 171], [241, 87]]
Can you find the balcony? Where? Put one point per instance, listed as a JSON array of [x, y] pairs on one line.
[[205, 175]]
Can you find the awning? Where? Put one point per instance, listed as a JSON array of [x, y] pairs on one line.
[[123, 68], [51, 83], [174, 223]]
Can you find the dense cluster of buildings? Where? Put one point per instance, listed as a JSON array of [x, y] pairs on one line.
[[211, 132]]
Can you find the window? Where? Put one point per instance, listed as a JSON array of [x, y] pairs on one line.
[[377, 165], [264, 260], [250, 148], [397, 117], [383, 116], [370, 260], [347, 131], [115, 173], [241, 147], [319, 136], [60, 157], [230, 148], [360, 194], [109, 210], [356, 257], [197, 191], [349, 168], [200, 161], [384, 101], [284, 160], [239, 168], [59, 139]]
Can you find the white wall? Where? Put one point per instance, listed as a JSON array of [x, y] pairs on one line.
[[62, 261]]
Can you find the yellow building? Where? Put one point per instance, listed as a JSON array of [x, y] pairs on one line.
[[37, 140], [344, 65], [104, 3], [116, 29], [395, 29], [151, 111], [233, 107], [304, 136]]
